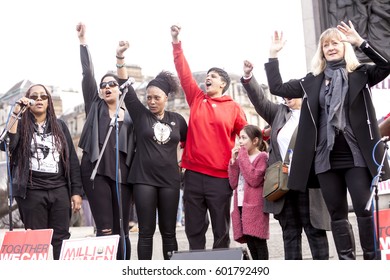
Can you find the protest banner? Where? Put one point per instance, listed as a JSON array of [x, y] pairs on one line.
[[26, 245], [90, 248]]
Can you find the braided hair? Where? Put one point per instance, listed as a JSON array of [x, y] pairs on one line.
[[27, 126]]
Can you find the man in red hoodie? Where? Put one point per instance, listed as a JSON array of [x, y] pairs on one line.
[[215, 121]]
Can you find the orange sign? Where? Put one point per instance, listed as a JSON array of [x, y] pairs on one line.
[[26, 245]]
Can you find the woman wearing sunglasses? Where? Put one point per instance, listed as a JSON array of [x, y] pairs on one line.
[[100, 108], [46, 179]]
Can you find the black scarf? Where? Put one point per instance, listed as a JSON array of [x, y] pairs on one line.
[[336, 72]]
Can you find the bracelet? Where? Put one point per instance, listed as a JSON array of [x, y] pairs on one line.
[[120, 57], [120, 65]]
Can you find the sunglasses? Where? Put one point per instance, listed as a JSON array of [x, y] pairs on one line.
[[35, 97], [111, 84]]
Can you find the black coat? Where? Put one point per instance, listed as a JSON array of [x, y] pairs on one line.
[[277, 115], [20, 181], [362, 114], [94, 108]]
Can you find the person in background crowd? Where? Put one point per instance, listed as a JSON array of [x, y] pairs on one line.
[[46, 180], [295, 211], [215, 121], [155, 174], [246, 176], [338, 135], [100, 109]]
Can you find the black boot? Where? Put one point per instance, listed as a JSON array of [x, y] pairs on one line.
[[169, 246], [367, 239], [344, 239]]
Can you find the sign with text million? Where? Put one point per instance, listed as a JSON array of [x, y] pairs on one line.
[[90, 248], [26, 245]]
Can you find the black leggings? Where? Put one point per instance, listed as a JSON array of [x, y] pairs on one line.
[[257, 246], [103, 200], [147, 200], [334, 185]]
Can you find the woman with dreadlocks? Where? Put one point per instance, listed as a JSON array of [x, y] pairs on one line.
[[45, 168]]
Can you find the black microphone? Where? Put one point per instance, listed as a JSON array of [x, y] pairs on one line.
[[128, 83], [31, 102], [385, 139]]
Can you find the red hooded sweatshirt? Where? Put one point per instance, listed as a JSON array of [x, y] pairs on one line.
[[213, 125]]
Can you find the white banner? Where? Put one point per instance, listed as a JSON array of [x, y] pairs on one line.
[[90, 248]]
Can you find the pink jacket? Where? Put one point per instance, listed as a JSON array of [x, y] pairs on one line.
[[254, 221]]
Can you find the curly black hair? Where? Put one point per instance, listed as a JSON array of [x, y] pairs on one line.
[[166, 81]]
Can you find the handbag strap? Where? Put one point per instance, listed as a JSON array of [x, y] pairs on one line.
[[292, 144]]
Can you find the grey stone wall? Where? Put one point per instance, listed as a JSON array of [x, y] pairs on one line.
[[371, 19]]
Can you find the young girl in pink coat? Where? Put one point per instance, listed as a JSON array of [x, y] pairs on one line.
[[246, 176]]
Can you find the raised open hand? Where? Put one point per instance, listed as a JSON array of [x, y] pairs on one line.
[[277, 43], [352, 36]]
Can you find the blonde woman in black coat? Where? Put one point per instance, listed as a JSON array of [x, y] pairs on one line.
[[338, 132]]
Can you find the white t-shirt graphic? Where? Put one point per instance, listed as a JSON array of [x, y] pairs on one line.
[[162, 132], [45, 157]]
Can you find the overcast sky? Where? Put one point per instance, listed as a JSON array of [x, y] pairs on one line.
[[39, 41]]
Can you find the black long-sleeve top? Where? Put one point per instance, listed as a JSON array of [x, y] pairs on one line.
[[96, 124], [20, 182]]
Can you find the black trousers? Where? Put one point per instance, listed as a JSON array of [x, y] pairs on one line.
[[44, 209], [202, 193], [294, 218], [103, 199], [148, 199], [334, 185]]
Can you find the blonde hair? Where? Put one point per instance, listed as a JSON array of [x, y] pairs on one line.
[[318, 63]]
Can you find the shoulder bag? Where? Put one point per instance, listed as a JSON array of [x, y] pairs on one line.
[[276, 175]]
